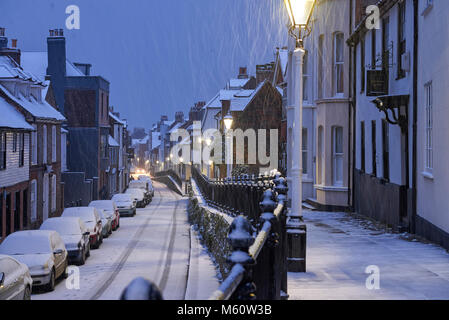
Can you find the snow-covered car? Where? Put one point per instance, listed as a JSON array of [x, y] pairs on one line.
[[110, 207], [150, 183], [126, 205], [43, 251], [143, 185], [75, 235], [138, 195], [106, 221], [15, 279], [92, 220]]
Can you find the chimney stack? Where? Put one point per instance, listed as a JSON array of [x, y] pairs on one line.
[[3, 39], [14, 43], [243, 74], [56, 67]]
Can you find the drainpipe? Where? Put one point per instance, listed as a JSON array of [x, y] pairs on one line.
[[415, 115], [351, 52]]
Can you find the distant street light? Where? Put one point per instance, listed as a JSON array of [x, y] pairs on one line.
[[228, 120]]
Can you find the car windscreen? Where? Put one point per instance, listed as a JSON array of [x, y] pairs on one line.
[[63, 227], [25, 245], [122, 198]]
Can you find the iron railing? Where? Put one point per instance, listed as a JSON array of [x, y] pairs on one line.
[[259, 256], [172, 174]]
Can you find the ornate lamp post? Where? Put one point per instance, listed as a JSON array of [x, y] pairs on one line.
[[299, 12]]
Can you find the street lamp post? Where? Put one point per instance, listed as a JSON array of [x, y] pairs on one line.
[[228, 120], [299, 12]]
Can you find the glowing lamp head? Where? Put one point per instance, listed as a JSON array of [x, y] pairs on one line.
[[299, 11], [228, 120]]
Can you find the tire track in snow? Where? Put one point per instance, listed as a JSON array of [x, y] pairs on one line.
[[117, 266], [168, 259]]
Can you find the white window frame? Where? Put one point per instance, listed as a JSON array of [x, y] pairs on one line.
[[33, 200], [337, 63], [44, 144], [53, 144], [305, 77], [53, 193], [336, 156], [34, 145], [428, 145]]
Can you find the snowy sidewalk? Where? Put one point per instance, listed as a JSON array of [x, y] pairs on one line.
[[340, 248]]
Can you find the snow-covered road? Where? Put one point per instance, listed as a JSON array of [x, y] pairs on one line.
[[155, 244]]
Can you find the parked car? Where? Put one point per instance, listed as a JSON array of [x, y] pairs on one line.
[[150, 183], [143, 185], [138, 195], [75, 235], [106, 221], [110, 207], [43, 251], [126, 204], [15, 279], [92, 220]]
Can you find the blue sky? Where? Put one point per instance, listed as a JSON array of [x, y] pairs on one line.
[[160, 56]]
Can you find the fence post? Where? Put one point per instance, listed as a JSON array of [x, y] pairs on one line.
[[281, 190], [240, 237]]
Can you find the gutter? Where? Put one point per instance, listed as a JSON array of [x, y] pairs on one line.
[[415, 115]]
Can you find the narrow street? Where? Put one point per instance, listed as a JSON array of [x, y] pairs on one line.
[[155, 244], [340, 248]]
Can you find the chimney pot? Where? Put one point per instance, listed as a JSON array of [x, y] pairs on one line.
[[14, 43], [61, 32], [2, 32], [52, 32]]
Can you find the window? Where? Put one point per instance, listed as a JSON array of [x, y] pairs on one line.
[[429, 128], [21, 149], [53, 144], [34, 146], [321, 155], [386, 149], [44, 144], [401, 37], [338, 63], [338, 155], [53, 193], [373, 49], [362, 146], [362, 65], [374, 148], [14, 142], [304, 151], [2, 150], [320, 66], [33, 199], [305, 88]]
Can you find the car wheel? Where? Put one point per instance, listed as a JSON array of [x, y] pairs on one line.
[[83, 258], [65, 273], [51, 285], [27, 293]]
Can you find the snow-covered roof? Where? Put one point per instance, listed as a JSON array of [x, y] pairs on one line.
[[237, 83], [214, 102], [243, 98], [283, 59], [112, 142], [10, 69], [144, 140], [175, 127], [34, 107], [36, 63], [11, 118], [113, 116], [155, 140]]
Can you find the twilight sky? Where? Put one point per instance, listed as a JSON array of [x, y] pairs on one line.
[[160, 56]]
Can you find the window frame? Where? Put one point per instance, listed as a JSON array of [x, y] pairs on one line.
[[428, 145], [3, 150], [336, 155], [336, 63]]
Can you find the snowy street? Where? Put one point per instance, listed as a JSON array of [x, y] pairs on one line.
[[341, 247], [155, 244]]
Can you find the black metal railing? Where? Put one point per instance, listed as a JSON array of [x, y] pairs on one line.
[[259, 262], [257, 234], [239, 195]]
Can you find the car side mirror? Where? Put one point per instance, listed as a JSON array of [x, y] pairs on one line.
[[87, 233], [58, 251], [2, 279]]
